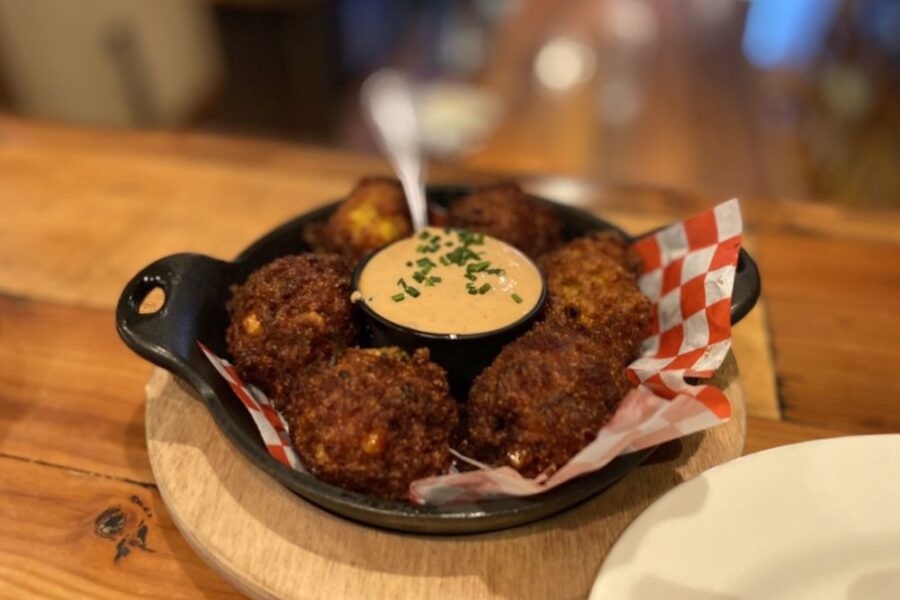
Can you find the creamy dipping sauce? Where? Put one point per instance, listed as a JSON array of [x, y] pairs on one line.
[[450, 281]]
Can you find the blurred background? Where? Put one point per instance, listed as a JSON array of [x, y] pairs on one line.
[[795, 99]]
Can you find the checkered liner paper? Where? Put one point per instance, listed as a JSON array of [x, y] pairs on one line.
[[689, 271]]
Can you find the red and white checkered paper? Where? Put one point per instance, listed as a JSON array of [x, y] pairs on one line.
[[272, 427], [689, 271]]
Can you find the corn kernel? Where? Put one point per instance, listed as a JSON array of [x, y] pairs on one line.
[[252, 326], [373, 444]]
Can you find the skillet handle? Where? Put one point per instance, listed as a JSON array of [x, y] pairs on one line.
[[747, 287], [194, 286]]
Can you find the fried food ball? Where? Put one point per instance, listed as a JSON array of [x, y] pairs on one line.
[[544, 398], [589, 290], [289, 317], [613, 245], [373, 215], [375, 421], [507, 213]]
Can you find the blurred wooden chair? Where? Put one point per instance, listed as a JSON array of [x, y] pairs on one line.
[[109, 62]]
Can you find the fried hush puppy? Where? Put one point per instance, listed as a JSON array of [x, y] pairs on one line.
[[507, 213], [544, 397], [373, 215], [592, 288], [289, 317], [375, 421], [614, 246]]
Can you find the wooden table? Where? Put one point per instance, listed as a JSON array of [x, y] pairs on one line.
[[83, 210]]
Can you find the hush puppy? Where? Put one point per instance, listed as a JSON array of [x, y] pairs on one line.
[[289, 317], [373, 215], [507, 213], [592, 287], [375, 421], [544, 397]]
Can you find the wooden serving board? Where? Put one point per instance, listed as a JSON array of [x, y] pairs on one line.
[[270, 543]]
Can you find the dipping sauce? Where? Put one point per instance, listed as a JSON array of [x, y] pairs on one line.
[[450, 281]]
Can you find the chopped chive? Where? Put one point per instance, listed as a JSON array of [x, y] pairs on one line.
[[421, 248], [470, 277], [517, 298], [494, 271], [484, 289], [408, 289], [398, 297], [426, 264], [471, 239], [435, 239], [479, 266], [424, 235], [418, 276], [434, 279], [444, 261], [461, 254], [472, 291], [448, 244]]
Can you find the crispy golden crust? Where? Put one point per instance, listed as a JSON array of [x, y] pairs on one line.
[[373, 215], [591, 292], [544, 397], [507, 213], [289, 317], [612, 245], [375, 421]]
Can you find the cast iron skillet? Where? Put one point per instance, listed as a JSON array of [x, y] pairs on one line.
[[196, 289]]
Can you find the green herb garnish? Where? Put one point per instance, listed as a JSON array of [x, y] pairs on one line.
[[398, 297], [469, 238], [408, 289], [484, 289], [425, 264], [517, 298], [433, 245], [461, 254]]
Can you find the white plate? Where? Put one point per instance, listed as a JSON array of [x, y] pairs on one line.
[[814, 520]]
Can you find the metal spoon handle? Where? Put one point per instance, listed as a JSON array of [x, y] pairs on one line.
[[387, 100]]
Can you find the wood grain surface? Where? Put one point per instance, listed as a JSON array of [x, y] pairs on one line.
[[70, 534], [271, 544], [84, 209], [71, 392]]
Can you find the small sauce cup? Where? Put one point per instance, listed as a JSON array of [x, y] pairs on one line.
[[463, 356]]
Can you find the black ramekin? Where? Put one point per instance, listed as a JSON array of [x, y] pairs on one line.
[[463, 356]]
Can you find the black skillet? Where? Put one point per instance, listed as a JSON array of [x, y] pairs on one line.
[[196, 289]]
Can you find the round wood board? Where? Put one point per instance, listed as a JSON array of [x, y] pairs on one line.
[[270, 543]]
